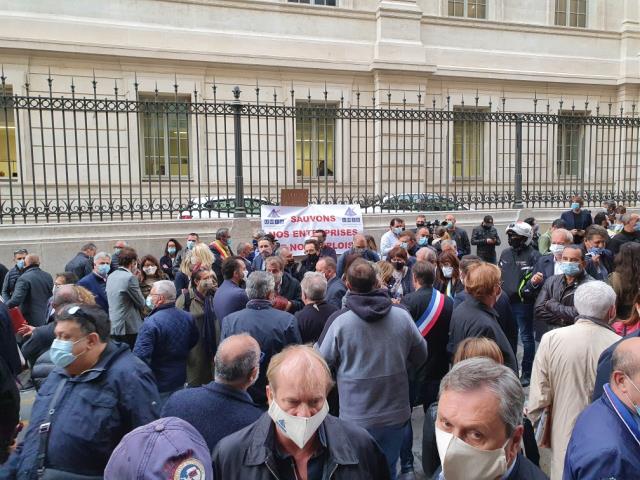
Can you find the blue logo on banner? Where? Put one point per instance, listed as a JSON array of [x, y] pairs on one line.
[[273, 218], [350, 216]]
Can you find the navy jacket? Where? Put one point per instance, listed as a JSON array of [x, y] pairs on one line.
[[604, 367], [368, 255], [81, 265], [98, 286], [290, 289], [95, 410], [164, 341], [272, 329], [336, 290], [229, 298], [32, 293], [311, 320], [215, 410], [579, 221], [9, 282], [602, 445]]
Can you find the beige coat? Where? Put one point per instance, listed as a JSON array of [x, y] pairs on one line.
[[563, 377]]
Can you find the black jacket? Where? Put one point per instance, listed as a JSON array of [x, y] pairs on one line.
[[579, 221], [9, 283], [311, 320], [39, 342], [306, 265], [81, 265], [474, 319], [545, 265], [32, 293], [438, 360], [554, 305], [462, 241], [604, 367], [479, 237], [517, 267], [249, 453], [620, 239], [290, 289]]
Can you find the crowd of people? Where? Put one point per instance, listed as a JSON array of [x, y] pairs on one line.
[[252, 364]]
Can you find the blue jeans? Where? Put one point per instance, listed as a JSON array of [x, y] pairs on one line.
[[524, 316], [389, 440], [406, 451]]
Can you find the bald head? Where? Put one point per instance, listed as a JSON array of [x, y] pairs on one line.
[[64, 295], [626, 357], [237, 361], [359, 241], [299, 367], [31, 259]]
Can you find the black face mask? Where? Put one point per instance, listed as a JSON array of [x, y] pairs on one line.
[[487, 226], [398, 265], [420, 225], [517, 242], [313, 258]]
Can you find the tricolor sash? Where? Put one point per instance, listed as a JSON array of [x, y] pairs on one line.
[[431, 315]]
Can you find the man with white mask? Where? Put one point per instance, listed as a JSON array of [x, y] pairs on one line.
[[479, 424], [297, 438]]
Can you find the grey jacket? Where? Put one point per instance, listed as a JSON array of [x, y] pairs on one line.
[[31, 294], [125, 302], [373, 384]]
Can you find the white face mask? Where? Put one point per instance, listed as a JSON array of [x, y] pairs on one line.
[[447, 272], [298, 429], [151, 270], [458, 458], [556, 249]]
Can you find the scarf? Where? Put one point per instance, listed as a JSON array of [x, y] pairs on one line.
[[209, 335], [221, 248]]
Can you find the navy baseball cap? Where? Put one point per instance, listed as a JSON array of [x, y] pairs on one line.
[[165, 449]]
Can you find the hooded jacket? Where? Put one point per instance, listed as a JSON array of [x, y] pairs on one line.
[[373, 385]]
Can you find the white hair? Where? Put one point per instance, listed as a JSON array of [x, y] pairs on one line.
[[427, 254], [100, 255], [450, 243], [167, 289], [314, 286], [568, 236], [594, 299]]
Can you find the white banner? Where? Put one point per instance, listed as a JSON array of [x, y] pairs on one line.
[[293, 225]]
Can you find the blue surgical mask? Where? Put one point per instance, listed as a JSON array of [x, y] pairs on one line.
[[575, 206], [191, 244], [171, 250], [570, 268], [404, 245], [149, 302], [397, 230], [229, 242], [423, 241], [61, 352], [117, 250], [20, 264], [104, 269], [596, 251]]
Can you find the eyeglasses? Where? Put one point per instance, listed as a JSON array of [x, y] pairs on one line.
[[77, 311]]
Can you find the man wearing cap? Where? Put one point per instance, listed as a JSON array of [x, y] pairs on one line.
[[165, 449], [297, 438], [97, 393], [486, 239]]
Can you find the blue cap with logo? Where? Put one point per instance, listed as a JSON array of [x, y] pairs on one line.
[[167, 449]]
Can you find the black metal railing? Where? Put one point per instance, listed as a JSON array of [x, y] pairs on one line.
[[153, 155]]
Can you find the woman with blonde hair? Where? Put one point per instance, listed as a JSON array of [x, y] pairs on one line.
[[199, 257], [478, 347]]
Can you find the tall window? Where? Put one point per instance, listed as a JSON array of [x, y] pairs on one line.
[[468, 8], [571, 143], [165, 128], [571, 13], [315, 140], [329, 3], [8, 159], [468, 146]]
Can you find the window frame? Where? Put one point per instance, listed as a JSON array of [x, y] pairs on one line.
[[13, 167], [315, 141], [166, 98], [465, 9], [567, 14], [561, 135], [480, 147]]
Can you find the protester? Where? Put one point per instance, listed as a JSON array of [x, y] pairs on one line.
[[288, 295], [599, 257], [448, 274], [325, 250], [62, 278], [421, 222], [431, 311], [373, 386], [308, 264], [237, 366], [359, 248], [440, 234], [535, 231], [199, 256], [427, 254], [606, 437], [125, 298], [486, 239], [548, 265], [82, 263], [10, 279], [336, 289], [96, 281], [167, 448], [10, 367], [459, 235], [371, 243], [564, 369], [479, 423], [316, 311], [476, 316], [297, 438], [290, 265], [231, 297], [401, 278], [3, 273], [221, 249], [577, 220], [632, 323], [168, 260], [601, 219], [630, 232], [273, 329], [423, 238], [544, 242], [266, 248], [192, 240], [117, 248], [199, 300], [150, 273], [625, 279], [555, 306], [32, 291], [408, 243], [391, 238], [449, 246], [98, 392], [244, 250]]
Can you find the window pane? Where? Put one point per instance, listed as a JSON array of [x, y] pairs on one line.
[[561, 12], [8, 157], [315, 138]]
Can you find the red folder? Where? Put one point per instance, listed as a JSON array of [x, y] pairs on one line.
[[17, 319]]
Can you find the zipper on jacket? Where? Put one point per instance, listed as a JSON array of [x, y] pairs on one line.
[[271, 470], [335, 467]]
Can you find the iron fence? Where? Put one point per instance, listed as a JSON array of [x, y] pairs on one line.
[[153, 155]]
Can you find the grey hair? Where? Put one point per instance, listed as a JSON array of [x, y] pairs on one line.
[[428, 254], [314, 286], [238, 368], [260, 285], [627, 217], [241, 247], [475, 373], [167, 289], [100, 255], [451, 243], [221, 232], [568, 236], [594, 299], [88, 246]]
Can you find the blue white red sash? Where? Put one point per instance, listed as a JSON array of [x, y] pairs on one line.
[[431, 315]]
